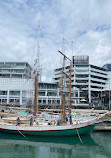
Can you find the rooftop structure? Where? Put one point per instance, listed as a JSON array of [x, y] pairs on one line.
[[80, 60]]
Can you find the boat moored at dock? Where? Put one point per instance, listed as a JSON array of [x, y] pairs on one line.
[[49, 130]]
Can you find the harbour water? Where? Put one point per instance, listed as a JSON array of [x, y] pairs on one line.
[[96, 145]]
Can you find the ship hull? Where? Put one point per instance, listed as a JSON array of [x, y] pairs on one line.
[[68, 130]]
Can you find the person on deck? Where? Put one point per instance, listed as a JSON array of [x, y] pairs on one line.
[[58, 123], [31, 121], [70, 120], [66, 119], [18, 121]]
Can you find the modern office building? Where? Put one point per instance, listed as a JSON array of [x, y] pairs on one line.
[[17, 86], [15, 83], [88, 80]]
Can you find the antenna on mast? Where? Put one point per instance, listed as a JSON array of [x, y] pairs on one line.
[[38, 48], [72, 47], [38, 52], [63, 49], [37, 60], [63, 45]]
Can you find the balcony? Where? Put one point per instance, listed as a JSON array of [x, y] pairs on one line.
[[81, 83], [98, 80], [96, 89], [98, 85], [87, 78], [84, 73], [98, 71], [99, 75]]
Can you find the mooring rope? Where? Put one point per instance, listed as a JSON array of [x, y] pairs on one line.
[[22, 134], [104, 124], [79, 136]]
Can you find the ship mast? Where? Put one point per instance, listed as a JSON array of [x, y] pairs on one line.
[[37, 73], [70, 89], [63, 92], [36, 95]]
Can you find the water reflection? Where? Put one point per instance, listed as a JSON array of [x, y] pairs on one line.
[[16, 146], [85, 139]]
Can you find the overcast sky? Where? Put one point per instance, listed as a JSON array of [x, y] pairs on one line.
[[85, 22]]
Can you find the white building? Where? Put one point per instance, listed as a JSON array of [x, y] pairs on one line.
[[87, 80], [21, 92], [16, 91], [48, 95], [17, 86]]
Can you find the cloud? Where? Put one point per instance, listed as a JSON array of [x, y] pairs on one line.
[[86, 23]]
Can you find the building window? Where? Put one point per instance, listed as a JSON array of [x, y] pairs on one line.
[[39, 101], [58, 101], [16, 76], [82, 70], [23, 93], [14, 93], [41, 93], [51, 94], [3, 92], [1, 64], [82, 76], [49, 101], [17, 101], [44, 101], [11, 100], [81, 81], [5, 70], [4, 100], [4, 75]]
